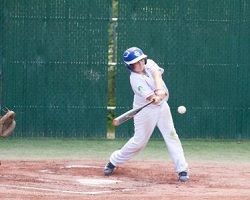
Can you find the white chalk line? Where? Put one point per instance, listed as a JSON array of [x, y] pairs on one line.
[[52, 190], [80, 166]]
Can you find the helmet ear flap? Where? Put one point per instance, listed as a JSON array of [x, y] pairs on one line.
[[129, 67]]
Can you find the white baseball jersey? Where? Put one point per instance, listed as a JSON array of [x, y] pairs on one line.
[[143, 85]]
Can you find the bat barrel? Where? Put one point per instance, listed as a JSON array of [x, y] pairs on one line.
[[115, 122], [128, 115]]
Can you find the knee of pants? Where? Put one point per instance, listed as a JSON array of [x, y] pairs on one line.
[[139, 143]]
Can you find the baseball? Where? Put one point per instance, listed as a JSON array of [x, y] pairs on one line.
[[182, 109]]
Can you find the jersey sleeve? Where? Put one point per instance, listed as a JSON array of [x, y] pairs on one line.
[[152, 66], [140, 87]]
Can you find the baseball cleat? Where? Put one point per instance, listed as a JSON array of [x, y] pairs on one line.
[[108, 169], [183, 177]]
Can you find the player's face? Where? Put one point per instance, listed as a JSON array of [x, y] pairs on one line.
[[139, 66]]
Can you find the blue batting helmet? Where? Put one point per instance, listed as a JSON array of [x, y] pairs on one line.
[[131, 56]]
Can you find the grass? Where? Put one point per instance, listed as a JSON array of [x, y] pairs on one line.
[[48, 148]]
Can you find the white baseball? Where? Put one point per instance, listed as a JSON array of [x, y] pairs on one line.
[[182, 109]]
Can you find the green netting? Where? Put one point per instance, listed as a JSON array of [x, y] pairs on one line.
[[54, 57], [204, 47]]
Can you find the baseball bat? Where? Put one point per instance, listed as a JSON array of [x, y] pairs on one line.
[[129, 114]]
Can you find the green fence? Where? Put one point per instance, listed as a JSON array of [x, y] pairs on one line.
[[54, 64], [54, 57], [204, 47]]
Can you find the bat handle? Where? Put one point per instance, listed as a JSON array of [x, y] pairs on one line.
[[152, 101]]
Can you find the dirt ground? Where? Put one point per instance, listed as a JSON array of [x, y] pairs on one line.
[[81, 179]]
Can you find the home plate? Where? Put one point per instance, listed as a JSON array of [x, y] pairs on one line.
[[97, 182]]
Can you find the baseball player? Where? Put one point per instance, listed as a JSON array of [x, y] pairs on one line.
[[147, 84]]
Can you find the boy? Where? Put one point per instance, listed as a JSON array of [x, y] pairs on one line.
[[147, 84]]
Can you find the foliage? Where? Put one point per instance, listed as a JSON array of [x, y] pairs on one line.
[[111, 68]]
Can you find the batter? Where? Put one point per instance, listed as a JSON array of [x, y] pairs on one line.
[[147, 84]]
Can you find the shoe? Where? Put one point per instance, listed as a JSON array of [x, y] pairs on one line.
[[183, 176], [108, 169]]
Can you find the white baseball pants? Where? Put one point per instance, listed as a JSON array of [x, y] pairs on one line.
[[145, 122]]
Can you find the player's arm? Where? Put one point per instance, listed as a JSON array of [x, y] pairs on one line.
[[156, 72], [159, 84]]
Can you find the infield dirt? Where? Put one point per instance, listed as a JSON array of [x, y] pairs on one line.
[[80, 179]]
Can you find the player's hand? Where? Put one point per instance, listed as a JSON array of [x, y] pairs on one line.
[[161, 93], [157, 99]]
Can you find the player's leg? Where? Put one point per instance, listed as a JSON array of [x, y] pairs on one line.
[[145, 122], [166, 127]]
